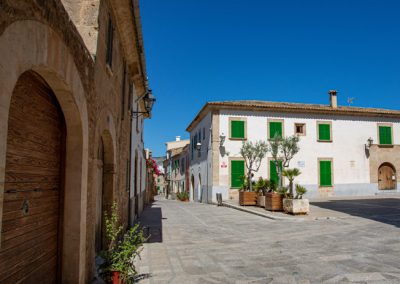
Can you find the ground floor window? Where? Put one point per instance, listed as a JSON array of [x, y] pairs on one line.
[[237, 173]]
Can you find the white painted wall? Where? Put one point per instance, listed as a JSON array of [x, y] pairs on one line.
[[198, 165], [350, 162]]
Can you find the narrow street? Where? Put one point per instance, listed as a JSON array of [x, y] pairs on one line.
[[197, 243]]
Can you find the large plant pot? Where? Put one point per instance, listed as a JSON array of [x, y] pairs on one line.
[[273, 201], [296, 206], [116, 277], [248, 198], [261, 201]]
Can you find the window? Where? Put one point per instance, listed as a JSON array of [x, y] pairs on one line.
[[237, 172], [273, 174], [385, 135], [110, 39], [300, 129], [325, 173], [275, 128], [204, 133], [238, 129], [123, 91], [324, 132]]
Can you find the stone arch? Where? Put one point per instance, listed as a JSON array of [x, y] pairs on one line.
[[30, 45]]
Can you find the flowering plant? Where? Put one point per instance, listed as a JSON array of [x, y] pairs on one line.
[[152, 165]]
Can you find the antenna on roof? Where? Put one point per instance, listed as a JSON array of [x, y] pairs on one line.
[[350, 101]]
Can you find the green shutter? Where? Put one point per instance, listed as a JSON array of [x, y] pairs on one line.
[[324, 132], [325, 168], [385, 135], [237, 129], [237, 172], [273, 174], [275, 128]]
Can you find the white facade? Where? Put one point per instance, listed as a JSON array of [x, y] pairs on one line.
[[351, 164]]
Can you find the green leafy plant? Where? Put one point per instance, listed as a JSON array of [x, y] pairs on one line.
[[253, 153], [291, 174], [244, 182], [300, 191], [122, 248], [262, 186], [283, 191], [183, 196], [283, 151]]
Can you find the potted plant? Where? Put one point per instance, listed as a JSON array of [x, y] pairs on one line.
[[262, 187], [252, 153], [274, 198], [121, 251], [297, 205], [183, 196]]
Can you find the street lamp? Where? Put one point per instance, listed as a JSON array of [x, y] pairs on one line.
[[222, 138], [198, 146], [370, 142], [148, 101]]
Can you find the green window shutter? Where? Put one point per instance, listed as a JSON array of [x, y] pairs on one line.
[[237, 171], [385, 135], [273, 174], [275, 128], [325, 168], [237, 129], [324, 132]]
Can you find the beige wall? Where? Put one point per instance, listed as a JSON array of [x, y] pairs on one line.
[[39, 36]]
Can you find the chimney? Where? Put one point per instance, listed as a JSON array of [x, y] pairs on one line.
[[178, 138], [333, 97]]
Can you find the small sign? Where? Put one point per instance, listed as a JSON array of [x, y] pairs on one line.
[[301, 164], [224, 165]]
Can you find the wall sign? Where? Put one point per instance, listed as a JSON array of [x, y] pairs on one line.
[[224, 165], [301, 164]]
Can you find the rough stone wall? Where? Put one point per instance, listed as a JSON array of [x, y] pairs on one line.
[[103, 88]]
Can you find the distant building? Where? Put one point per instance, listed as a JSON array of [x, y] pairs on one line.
[[160, 180], [345, 151], [176, 166]]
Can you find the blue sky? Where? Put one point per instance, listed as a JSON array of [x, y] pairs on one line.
[[277, 50]]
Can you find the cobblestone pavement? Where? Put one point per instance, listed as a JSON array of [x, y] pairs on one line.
[[197, 243]]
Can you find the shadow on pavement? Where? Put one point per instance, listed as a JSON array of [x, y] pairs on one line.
[[151, 221], [385, 210]]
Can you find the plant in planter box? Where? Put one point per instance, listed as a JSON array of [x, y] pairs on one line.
[[262, 186], [183, 196], [297, 205], [121, 251], [291, 174]]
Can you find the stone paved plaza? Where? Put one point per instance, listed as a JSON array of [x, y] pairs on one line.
[[197, 243]]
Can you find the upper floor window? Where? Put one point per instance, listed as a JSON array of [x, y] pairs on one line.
[[385, 135], [204, 133], [324, 131], [237, 129], [110, 39], [300, 129], [275, 128]]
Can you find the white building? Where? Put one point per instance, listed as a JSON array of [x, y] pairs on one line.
[[345, 151]]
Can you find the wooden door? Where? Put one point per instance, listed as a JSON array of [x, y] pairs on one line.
[[34, 162], [387, 177]]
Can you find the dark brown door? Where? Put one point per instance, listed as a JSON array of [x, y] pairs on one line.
[[34, 163], [387, 177]]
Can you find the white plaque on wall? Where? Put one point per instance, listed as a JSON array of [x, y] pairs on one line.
[[301, 164]]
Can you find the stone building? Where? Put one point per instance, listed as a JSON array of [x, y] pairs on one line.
[[344, 151], [72, 103]]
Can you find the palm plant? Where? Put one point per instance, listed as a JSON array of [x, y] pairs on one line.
[[291, 174]]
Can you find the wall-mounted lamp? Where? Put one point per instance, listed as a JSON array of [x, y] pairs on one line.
[[222, 138], [198, 146], [370, 142], [148, 100]]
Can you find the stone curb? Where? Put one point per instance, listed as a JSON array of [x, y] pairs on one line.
[[264, 215]]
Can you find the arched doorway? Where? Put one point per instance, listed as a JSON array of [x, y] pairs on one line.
[[192, 188], [387, 177], [199, 193], [105, 189], [34, 182]]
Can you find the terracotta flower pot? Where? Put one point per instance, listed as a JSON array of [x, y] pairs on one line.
[[273, 201], [116, 277], [248, 198]]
